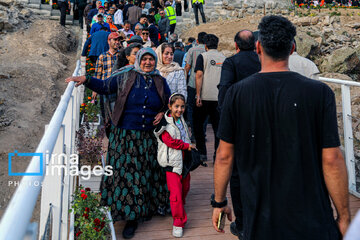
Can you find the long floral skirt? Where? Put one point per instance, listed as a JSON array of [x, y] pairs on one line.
[[137, 187]]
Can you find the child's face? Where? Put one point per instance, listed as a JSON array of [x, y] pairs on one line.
[[177, 108]]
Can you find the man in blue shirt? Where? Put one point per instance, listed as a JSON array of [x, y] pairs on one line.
[[99, 44], [100, 24]]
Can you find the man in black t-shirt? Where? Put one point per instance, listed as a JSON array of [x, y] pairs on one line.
[[281, 129]]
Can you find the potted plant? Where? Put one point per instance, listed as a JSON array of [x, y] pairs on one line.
[[90, 114], [90, 217], [89, 147]]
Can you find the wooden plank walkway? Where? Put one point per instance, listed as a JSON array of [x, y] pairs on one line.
[[198, 209]]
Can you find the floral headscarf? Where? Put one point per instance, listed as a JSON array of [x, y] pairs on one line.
[[139, 56]]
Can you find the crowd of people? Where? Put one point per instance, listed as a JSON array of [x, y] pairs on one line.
[[275, 125], [347, 3]]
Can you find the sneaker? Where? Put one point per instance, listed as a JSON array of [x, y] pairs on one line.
[[129, 229], [177, 232], [235, 231]]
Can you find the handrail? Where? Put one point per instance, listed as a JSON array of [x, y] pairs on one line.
[[338, 81], [24, 199], [348, 131]]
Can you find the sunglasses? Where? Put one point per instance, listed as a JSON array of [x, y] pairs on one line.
[[145, 33]]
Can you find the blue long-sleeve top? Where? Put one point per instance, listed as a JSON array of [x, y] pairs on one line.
[[99, 44], [142, 104], [97, 26]]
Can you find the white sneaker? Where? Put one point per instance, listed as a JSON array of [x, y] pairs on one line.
[[178, 231]]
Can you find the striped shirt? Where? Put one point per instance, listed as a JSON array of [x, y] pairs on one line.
[[191, 57]]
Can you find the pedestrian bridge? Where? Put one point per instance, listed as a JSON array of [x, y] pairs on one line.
[[56, 190]]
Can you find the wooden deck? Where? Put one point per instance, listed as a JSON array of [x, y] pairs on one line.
[[198, 209]]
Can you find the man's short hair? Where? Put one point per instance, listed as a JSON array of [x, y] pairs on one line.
[[152, 10], [245, 43], [127, 22], [131, 47], [201, 37], [178, 45], [191, 40], [104, 28], [211, 41], [143, 16], [276, 36], [145, 29]]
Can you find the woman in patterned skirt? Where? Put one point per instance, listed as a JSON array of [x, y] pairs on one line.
[[137, 187]]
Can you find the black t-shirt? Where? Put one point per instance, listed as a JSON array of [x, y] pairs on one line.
[[279, 122], [199, 63]]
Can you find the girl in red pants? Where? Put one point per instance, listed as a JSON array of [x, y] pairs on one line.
[[173, 138]]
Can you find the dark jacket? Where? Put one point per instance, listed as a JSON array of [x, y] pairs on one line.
[[133, 14], [99, 44], [164, 25], [179, 56], [92, 13], [236, 68], [154, 34], [100, 87]]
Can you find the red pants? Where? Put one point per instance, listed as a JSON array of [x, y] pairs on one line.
[[179, 188]]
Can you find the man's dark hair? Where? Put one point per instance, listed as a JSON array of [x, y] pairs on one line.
[[145, 29], [191, 39], [178, 45], [245, 42], [276, 36], [211, 41], [131, 47], [151, 10], [201, 37], [104, 28], [127, 22], [142, 16]]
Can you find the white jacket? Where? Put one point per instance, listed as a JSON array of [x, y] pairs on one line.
[[169, 157]]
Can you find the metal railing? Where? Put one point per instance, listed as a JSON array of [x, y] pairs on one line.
[[348, 132]]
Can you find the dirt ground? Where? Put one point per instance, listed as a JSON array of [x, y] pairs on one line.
[[33, 65]]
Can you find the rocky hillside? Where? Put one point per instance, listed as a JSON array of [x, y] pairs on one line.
[[34, 61]]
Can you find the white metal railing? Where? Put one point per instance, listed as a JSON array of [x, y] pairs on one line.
[[348, 132]]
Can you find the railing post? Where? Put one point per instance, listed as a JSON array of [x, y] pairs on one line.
[[348, 136], [69, 136], [53, 184]]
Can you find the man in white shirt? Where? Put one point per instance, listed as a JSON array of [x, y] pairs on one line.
[[118, 17], [127, 29], [303, 65]]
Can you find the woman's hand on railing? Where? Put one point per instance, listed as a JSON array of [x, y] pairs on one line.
[[79, 80]]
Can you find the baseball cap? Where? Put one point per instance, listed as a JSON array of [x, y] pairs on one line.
[[101, 7], [114, 35]]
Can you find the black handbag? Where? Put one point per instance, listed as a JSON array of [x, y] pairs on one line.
[[192, 161]]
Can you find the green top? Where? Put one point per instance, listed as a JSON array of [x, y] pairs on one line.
[[157, 18]]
